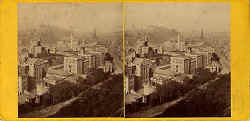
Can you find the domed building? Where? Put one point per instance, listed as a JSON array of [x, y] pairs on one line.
[[144, 50]]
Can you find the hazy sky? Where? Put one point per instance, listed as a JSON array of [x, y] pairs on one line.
[[82, 17], [212, 17], [107, 17]]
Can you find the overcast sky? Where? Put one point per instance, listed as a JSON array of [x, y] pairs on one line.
[[82, 17], [212, 17]]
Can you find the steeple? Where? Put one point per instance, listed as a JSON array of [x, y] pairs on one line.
[[145, 40], [179, 37], [71, 40], [202, 34], [94, 34]]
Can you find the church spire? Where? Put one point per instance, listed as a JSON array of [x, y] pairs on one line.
[[94, 34], [202, 34], [71, 40]]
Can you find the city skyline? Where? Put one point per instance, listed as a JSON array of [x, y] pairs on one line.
[[212, 17], [87, 17]]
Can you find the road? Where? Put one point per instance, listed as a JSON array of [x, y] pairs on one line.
[[157, 110], [51, 110]]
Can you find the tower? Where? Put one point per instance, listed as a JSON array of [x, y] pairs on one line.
[[202, 34], [145, 40], [82, 51], [179, 41], [71, 40], [94, 34]]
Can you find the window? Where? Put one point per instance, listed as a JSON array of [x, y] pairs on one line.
[[176, 68]]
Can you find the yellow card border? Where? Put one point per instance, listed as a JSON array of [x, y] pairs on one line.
[[240, 59]]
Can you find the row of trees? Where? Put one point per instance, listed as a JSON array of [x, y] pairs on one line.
[[214, 101], [97, 103]]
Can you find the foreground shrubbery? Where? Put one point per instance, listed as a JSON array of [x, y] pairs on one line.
[[212, 102], [97, 103]]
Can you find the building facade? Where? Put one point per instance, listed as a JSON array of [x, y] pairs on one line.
[[73, 64], [180, 64]]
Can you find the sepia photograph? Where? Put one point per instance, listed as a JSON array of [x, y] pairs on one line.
[[70, 60], [177, 60]]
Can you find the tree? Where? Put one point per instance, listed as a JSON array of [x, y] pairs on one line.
[[215, 57], [96, 76], [170, 91]]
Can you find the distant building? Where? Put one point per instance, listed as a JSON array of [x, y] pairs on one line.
[[73, 64], [37, 50], [202, 35], [192, 65], [198, 59], [131, 53], [206, 52], [53, 50], [214, 67], [74, 44], [37, 68], [22, 84], [142, 72], [130, 78], [91, 61], [85, 67], [23, 69], [99, 56], [181, 45], [180, 64], [82, 51], [34, 83], [101, 48], [63, 45], [160, 50], [146, 71], [164, 71], [144, 50], [108, 67]]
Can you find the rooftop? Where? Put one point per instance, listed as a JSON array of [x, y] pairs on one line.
[[132, 97], [36, 61], [163, 71], [181, 57]]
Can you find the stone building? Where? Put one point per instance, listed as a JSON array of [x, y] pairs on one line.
[[37, 68], [108, 67], [144, 50], [180, 64], [214, 67], [99, 56], [73, 64], [91, 61], [34, 83], [130, 78], [37, 50]]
